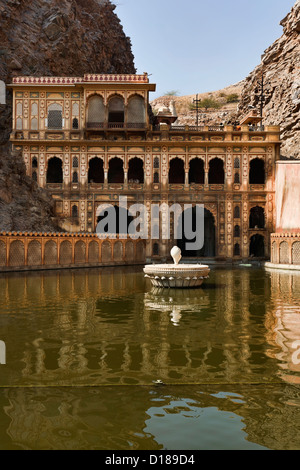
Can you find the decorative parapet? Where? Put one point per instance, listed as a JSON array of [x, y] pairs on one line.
[[112, 78], [88, 78], [46, 80], [21, 251], [285, 248]]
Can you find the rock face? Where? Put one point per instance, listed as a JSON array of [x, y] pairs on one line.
[[187, 116], [50, 38], [280, 66], [23, 205]]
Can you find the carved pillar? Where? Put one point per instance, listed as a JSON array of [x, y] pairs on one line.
[[229, 223], [228, 169]]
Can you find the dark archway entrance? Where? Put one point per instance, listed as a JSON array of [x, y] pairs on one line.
[[257, 217], [121, 213], [116, 171], [54, 171], [96, 171], [196, 172], [257, 246], [136, 171], [176, 171], [209, 248], [216, 174], [257, 171]]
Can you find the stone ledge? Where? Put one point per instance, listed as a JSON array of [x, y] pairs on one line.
[[283, 267]]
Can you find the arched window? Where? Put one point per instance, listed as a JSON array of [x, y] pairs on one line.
[[237, 163], [176, 171], [237, 231], [257, 217], [136, 111], [96, 171], [75, 177], [34, 109], [196, 172], [34, 124], [19, 109], [34, 162], [156, 177], [75, 162], [236, 212], [74, 212], [257, 171], [19, 124], [216, 174], [75, 123], [54, 170], [116, 171], [55, 120], [136, 171], [156, 163], [96, 111], [116, 110], [236, 178], [75, 109]]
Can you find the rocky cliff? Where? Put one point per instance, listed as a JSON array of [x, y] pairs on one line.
[[280, 66], [48, 38]]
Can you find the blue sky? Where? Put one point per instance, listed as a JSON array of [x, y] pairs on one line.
[[194, 46]]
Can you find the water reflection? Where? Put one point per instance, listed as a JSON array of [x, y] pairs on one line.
[[109, 326], [176, 302], [229, 354], [132, 418], [283, 324]]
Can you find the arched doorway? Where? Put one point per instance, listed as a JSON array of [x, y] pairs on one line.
[[176, 171], [95, 112], [196, 172], [257, 246], [257, 217], [136, 171], [115, 171], [54, 170], [257, 171], [116, 110], [136, 111], [120, 225], [209, 248], [96, 171], [216, 173]]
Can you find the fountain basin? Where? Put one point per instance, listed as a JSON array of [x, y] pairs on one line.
[[178, 276]]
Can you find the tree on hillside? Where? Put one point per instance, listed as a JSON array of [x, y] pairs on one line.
[[232, 98], [171, 93], [207, 103]]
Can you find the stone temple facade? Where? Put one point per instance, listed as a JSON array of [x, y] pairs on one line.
[[90, 140]]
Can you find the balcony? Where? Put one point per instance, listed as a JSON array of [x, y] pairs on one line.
[[115, 125]]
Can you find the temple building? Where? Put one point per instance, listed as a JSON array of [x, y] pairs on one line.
[[93, 139]]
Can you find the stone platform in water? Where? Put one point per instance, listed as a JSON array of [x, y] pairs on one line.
[[181, 276]]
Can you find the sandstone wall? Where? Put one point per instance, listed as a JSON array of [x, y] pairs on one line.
[[287, 196]]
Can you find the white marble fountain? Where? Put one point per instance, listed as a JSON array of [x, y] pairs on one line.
[[176, 275]]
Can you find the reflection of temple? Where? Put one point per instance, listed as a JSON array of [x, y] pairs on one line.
[[283, 324], [90, 140], [101, 328]]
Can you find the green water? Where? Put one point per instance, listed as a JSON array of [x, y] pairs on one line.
[[85, 347]]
